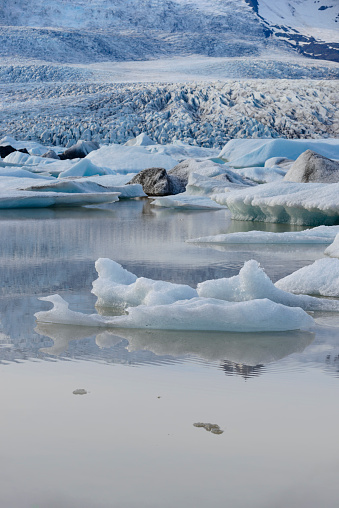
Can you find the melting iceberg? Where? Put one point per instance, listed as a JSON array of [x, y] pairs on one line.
[[115, 286], [321, 278], [318, 235], [309, 204], [195, 314], [253, 283]]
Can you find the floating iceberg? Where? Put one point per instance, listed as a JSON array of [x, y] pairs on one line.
[[318, 235], [333, 249], [297, 203], [252, 283], [187, 201], [116, 286], [244, 153], [195, 314], [312, 167], [27, 199], [321, 278], [84, 168]]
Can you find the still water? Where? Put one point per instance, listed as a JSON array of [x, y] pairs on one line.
[[130, 440]]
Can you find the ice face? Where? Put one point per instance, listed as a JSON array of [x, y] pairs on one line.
[[297, 203], [333, 249], [321, 278]]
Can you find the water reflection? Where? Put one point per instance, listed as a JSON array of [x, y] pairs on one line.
[[240, 353]]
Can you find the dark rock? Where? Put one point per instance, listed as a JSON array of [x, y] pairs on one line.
[[6, 150], [312, 167], [154, 181], [51, 155], [79, 150], [23, 150]]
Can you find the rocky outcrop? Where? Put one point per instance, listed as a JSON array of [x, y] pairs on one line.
[[6, 150], [312, 167], [79, 150], [154, 181]]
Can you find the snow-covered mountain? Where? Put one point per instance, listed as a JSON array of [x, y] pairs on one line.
[[99, 30]]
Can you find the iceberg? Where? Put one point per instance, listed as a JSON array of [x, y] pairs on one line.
[[84, 168], [309, 204], [129, 159], [244, 153], [195, 314], [28, 199], [252, 283], [333, 249], [186, 201], [321, 279], [116, 287], [317, 235]]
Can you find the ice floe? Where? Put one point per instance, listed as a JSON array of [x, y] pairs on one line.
[[30, 199], [195, 314], [308, 204], [321, 278], [187, 201], [253, 283], [317, 235], [333, 249]]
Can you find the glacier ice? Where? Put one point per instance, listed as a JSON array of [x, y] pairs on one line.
[[31, 199], [84, 168], [333, 249], [187, 201], [309, 204], [253, 283], [321, 279], [317, 235], [194, 314]]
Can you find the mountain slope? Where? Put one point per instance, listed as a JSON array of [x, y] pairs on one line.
[[117, 30]]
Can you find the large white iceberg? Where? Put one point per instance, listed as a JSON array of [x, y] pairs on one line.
[[195, 314], [31, 199], [333, 249], [129, 159], [84, 168], [318, 235], [297, 203], [321, 278], [115, 286], [244, 153], [253, 283]]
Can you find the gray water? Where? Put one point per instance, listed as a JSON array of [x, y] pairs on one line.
[[130, 441]]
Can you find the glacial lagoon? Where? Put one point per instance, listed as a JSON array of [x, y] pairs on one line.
[[130, 438]]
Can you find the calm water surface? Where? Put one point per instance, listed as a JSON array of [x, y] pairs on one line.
[[130, 441]]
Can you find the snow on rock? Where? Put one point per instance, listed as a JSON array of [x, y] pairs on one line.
[[253, 283], [50, 154], [186, 201], [129, 159], [116, 286], [79, 150], [318, 235], [312, 167], [255, 152], [194, 314], [333, 249], [308, 204], [321, 278]]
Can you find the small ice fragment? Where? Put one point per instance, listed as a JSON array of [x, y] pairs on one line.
[[80, 391]]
